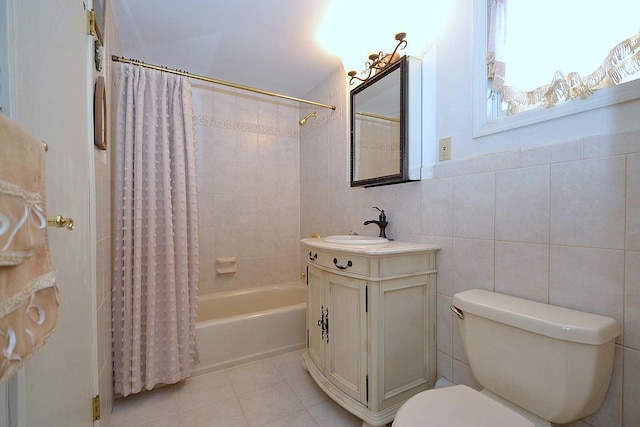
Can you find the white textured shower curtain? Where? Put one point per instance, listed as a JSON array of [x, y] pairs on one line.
[[156, 231]]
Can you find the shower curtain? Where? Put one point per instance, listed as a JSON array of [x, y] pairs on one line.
[[156, 231]]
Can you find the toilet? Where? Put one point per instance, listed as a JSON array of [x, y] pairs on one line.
[[538, 363]]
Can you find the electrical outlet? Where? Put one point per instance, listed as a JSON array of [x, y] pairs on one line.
[[445, 148]]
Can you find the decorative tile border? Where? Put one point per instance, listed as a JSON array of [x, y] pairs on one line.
[[310, 126], [243, 126]]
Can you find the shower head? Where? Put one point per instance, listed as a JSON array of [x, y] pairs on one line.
[[305, 118]]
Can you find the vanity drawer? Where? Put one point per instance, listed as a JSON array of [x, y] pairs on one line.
[[339, 261], [411, 263]]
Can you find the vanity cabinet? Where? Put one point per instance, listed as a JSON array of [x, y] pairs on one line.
[[371, 324]]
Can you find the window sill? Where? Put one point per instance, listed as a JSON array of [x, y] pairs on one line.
[[602, 98]]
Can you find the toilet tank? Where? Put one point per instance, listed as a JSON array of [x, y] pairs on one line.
[[554, 362]]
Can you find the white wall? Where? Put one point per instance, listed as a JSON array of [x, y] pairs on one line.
[[455, 53]]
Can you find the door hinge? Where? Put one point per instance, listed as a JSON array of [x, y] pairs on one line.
[[96, 407], [307, 338], [91, 22]]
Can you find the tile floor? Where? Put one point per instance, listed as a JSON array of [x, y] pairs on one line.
[[274, 392]]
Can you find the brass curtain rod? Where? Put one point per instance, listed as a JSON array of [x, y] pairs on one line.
[[216, 81], [376, 116]]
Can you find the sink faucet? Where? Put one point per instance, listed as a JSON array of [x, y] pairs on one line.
[[382, 222]]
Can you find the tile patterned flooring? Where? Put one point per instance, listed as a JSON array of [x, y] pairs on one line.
[[274, 392]]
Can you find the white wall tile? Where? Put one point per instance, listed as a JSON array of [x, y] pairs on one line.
[[437, 207], [633, 202], [473, 262], [550, 154], [587, 203], [473, 206], [406, 212], [246, 107], [453, 168], [610, 412], [444, 366], [222, 146], [611, 145], [632, 301], [205, 175], [444, 324], [631, 415], [268, 150], [247, 148], [226, 241], [288, 114], [224, 103], [522, 205], [522, 270], [462, 374], [267, 108], [288, 154], [226, 179], [589, 280], [496, 162]]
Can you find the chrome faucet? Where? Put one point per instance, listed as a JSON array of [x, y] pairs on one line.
[[382, 222]]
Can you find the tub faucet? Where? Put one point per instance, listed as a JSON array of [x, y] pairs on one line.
[[382, 222]]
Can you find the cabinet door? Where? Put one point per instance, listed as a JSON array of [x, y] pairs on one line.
[[315, 316], [346, 363], [406, 329]]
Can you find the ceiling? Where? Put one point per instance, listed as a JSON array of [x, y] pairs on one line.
[[265, 44]]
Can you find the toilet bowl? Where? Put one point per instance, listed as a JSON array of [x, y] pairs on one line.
[[539, 364]]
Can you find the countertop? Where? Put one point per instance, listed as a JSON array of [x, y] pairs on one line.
[[388, 248]]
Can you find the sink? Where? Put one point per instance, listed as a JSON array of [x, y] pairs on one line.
[[355, 240]]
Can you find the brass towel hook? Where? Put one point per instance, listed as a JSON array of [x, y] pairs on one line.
[[60, 222]]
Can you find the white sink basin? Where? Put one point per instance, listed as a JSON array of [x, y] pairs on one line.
[[355, 240]]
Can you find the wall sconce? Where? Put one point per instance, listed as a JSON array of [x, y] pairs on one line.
[[380, 60]]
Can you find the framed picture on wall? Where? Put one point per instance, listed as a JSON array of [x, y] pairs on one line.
[[99, 10], [100, 115]]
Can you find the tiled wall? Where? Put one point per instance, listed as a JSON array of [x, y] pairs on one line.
[[557, 224], [248, 187]]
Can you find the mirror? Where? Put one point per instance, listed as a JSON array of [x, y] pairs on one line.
[[385, 126]]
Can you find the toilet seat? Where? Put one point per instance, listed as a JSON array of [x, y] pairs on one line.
[[456, 406]]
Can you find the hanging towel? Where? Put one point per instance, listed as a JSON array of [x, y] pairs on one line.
[[28, 293]]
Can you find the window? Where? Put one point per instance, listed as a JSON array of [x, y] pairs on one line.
[[563, 33]]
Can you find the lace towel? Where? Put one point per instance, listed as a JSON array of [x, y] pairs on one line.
[[28, 294]]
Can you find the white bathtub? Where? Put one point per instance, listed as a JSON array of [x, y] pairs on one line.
[[241, 326]]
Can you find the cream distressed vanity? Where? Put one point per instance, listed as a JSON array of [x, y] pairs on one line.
[[371, 316]]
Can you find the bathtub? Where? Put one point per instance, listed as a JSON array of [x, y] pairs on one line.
[[236, 327]]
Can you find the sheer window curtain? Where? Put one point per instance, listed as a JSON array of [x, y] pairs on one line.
[[156, 231], [622, 61]]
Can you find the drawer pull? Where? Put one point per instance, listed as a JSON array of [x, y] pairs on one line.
[[313, 257], [341, 267]]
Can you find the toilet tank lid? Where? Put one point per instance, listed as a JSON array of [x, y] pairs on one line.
[[544, 319]]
